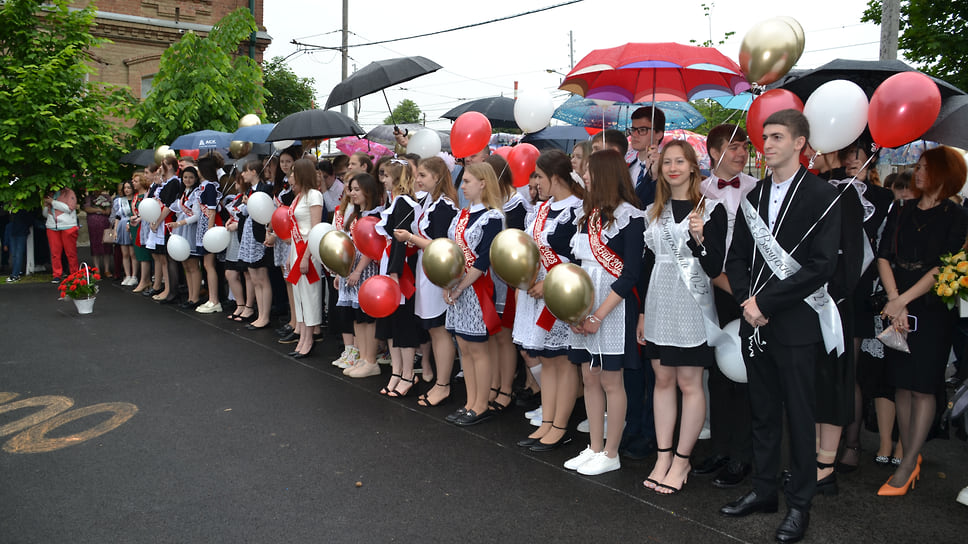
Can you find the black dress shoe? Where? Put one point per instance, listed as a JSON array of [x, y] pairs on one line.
[[149, 292], [169, 300], [455, 415], [253, 327], [297, 355], [528, 442], [750, 503], [471, 418], [828, 485], [284, 330], [794, 526], [290, 338], [732, 475], [541, 446], [709, 465]]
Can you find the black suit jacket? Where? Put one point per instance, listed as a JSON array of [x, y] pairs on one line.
[[792, 321]]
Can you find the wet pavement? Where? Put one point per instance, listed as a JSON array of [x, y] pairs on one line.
[[185, 427]]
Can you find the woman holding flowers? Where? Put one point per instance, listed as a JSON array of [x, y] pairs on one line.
[[916, 236]]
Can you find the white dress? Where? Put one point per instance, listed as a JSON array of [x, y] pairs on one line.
[[307, 297], [429, 299]]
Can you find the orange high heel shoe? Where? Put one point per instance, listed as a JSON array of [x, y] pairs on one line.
[[887, 490]]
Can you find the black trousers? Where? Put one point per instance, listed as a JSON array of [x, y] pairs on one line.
[[783, 376], [729, 417]]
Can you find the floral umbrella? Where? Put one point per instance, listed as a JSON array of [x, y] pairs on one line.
[[697, 141], [352, 144], [583, 112], [906, 154]]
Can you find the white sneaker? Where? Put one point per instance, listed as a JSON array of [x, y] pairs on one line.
[[580, 459], [342, 358], [209, 308], [383, 358], [535, 421], [126, 281], [963, 496], [583, 426], [351, 358], [536, 413], [599, 464]]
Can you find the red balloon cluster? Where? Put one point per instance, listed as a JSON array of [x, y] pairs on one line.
[[367, 239], [766, 105], [471, 133], [379, 296], [281, 225], [522, 160], [903, 108]]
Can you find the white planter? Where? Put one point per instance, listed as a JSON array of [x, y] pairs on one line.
[[84, 305]]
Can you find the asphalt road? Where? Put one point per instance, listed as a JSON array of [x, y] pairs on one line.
[[185, 427]]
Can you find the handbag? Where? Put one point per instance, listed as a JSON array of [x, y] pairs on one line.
[[110, 236], [894, 339]]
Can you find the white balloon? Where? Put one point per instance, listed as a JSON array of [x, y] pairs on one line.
[[178, 248], [837, 112], [729, 354], [216, 239], [533, 110], [282, 144], [315, 236], [260, 208], [424, 142], [150, 210]]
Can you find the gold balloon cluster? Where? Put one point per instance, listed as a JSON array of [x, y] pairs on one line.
[[515, 258], [569, 293], [337, 252], [162, 152], [770, 49], [239, 149], [443, 262]]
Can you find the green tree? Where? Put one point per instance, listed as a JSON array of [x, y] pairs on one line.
[[707, 13], [406, 111], [716, 114], [202, 83], [286, 92], [55, 127], [931, 36]]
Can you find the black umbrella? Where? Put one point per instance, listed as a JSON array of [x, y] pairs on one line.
[[499, 110], [949, 128], [139, 157], [867, 74], [313, 125], [379, 75], [560, 137], [383, 134]]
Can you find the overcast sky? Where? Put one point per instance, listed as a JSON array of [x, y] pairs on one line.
[[487, 60]]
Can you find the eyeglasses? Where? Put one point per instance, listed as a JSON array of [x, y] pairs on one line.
[[641, 131]]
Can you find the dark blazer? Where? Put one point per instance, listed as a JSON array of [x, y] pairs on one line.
[[792, 321], [645, 191]]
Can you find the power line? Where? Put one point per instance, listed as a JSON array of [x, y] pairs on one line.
[[464, 27]]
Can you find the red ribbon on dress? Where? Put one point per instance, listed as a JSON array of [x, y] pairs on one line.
[[549, 259], [610, 261], [300, 246], [484, 286]]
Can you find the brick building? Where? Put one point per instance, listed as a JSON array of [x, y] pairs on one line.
[[141, 30]]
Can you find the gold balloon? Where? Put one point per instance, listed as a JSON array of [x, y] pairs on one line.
[[798, 30], [239, 149], [443, 262], [163, 151], [768, 51], [569, 293], [515, 258], [249, 120], [336, 251]]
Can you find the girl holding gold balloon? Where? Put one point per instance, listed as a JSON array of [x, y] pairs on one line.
[[685, 246], [400, 330], [434, 216], [608, 245], [502, 345], [341, 314], [472, 316], [366, 195], [536, 330]]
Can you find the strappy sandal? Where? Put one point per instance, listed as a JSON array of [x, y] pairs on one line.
[[496, 406], [424, 399], [669, 490], [396, 392], [386, 390], [237, 317], [650, 480]]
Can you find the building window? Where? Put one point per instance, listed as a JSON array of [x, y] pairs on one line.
[[146, 85]]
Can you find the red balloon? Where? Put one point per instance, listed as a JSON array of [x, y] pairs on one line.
[[766, 105], [379, 296], [522, 160], [281, 225], [903, 108], [471, 133], [367, 239], [503, 151]]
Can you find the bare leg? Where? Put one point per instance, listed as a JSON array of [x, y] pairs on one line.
[[263, 294], [616, 404], [443, 347], [211, 275], [665, 407], [594, 407], [827, 452]]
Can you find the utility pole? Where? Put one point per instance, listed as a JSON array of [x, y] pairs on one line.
[[346, 49], [571, 48], [890, 18]]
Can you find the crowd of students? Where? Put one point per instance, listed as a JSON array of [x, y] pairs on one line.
[[673, 256]]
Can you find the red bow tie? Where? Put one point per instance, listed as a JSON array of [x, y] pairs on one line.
[[734, 182]]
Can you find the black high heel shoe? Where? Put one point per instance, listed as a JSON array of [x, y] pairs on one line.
[[669, 490], [297, 355], [541, 446], [496, 407], [828, 485], [424, 399], [396, 392], [386, 388]]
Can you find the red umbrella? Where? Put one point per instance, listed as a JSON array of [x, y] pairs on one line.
[[650, 72]]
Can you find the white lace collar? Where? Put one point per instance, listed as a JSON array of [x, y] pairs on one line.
[[569, 202]]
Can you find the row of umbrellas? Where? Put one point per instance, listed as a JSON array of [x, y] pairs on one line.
[[608, 85]]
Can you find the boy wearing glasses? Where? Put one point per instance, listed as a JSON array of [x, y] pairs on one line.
[[645, 135]]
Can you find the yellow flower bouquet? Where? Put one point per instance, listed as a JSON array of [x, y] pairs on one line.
[[951, 282]]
